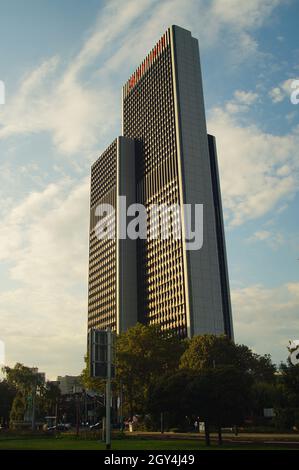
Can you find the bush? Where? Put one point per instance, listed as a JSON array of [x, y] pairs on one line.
[[287, 419]]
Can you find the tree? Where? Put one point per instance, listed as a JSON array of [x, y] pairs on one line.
[[7, 394], [219, 396], [167, 395], [27, 382], [287, 411], [262, 368], [208, 351], [91, 383], [22, 377], [50, 398], [18, 409], [290, 380], [144, 354], [266, 395]]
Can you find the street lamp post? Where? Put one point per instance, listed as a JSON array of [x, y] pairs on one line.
[[108, 392], [101, 361]]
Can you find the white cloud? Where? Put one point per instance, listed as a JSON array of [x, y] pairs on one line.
[[262, 235], [242, 14], [267, 166], [75, 113], [273, 238], [241, 102], [113, 20], [276, 95], [72, 113], [245, 97], [55, 99], [266, 318], [242, 18], [43, 314]]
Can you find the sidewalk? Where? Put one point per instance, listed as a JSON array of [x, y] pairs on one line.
[[243, 437]]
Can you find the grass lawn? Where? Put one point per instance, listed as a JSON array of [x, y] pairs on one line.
[[65, 443]]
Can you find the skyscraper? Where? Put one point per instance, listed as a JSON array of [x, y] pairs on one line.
[[165, 157]]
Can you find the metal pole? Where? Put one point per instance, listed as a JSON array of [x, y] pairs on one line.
[[77, 415], [108, 391], [56, 413], [103, 429], [121, 406], [162, 422], [85, 408], [33, 407]]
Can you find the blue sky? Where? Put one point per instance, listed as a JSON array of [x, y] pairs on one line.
[[64, 63]]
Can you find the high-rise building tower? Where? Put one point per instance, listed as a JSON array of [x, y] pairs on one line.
[[164, 158], [112, 261]]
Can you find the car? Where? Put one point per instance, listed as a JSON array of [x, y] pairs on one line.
[[60, 427], [51, 428], [95, 426]]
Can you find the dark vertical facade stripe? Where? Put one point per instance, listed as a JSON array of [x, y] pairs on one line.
[[225, 291]]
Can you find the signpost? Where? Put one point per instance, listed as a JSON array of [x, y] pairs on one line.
[[108, 391], [102, 366]]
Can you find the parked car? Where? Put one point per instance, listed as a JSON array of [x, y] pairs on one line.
[[95, 426], [85, 425], [60, 427]]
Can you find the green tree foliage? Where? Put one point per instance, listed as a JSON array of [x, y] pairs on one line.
[[91, 383], [29, 386], [266, 395], [208, 351], [208, 377], [50, 397], [287, 411], [167, 393], [290, 381], [18, 409], [144, 353], [218, 396], [7, 395], [22, 377]]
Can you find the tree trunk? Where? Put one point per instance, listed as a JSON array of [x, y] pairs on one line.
[[77, 417], [162, 422], [219, 435], [207, 433], [131, 410]]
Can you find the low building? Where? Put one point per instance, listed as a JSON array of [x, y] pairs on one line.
[[70, 384]]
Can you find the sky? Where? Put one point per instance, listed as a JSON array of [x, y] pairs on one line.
[[63, 63]]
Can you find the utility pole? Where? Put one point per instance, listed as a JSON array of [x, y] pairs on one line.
[[85, 408], [34, 390], [100, 354], [33, 406], [56, 412], [77, 415], [108, 391], [121, 406], [162, 422], [103, 429]]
